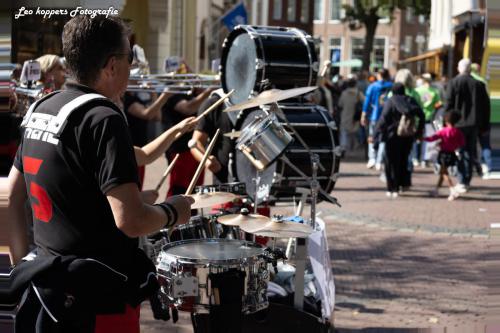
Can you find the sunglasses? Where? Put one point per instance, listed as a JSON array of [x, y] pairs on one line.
[[130, 56]]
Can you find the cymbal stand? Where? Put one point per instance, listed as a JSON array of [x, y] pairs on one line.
[[256, 195]]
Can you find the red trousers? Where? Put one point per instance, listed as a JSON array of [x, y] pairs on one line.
[[182, 173], [127, 322]]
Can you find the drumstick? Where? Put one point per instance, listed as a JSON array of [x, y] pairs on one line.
[[202, 163], [216, 104], [167, 172]]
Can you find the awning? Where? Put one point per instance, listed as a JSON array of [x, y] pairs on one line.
[[348, 63], [422, 56]]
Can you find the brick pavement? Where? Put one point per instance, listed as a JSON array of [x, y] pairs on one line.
[[414, 261]]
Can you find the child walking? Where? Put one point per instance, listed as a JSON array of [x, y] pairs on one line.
[[451, 139]]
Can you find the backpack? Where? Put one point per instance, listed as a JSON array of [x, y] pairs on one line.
[[384, 95], [406, 127]]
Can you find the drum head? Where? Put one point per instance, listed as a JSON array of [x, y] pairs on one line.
[[247, 172], [213, 250], [239, 68]]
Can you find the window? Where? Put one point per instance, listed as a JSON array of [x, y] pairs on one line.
[[335, 47], [408, 44], [335, 10], [304, 11], [318, 10], [377, 58], [409, 15], [277, 9], [421, 19], [292, 4]]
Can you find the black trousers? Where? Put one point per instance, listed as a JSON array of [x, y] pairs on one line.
[[397, 151]]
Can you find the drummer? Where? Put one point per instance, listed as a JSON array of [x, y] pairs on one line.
[[88, 275], [178, 108], [218, 161]]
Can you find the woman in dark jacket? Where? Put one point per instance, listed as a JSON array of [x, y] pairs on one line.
[[397, 147]]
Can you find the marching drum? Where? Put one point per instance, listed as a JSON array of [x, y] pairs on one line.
[[279, 181], [255, 59], [197, 274]]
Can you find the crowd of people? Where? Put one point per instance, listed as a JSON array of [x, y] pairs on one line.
[[372, 109]]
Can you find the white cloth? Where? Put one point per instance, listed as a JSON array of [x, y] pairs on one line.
[[322, 268]]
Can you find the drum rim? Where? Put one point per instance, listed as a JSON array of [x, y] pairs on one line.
[[210, 262]]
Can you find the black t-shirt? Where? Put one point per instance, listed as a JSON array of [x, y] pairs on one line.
[[138, 127], [170, 118], [224, 145], [67, 180]]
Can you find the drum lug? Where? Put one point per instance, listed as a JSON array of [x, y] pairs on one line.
[[259, 64], [315, 66]]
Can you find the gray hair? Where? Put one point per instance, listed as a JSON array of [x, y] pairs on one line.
[[405, 77], [464, 66]]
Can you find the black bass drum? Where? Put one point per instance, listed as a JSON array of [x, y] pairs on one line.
[[279, 181], [255, 59]]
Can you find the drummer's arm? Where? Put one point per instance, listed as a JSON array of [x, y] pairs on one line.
[[16, 216], [190, 108], [136, 218], [201, 139], [150, 152], [152, 112]]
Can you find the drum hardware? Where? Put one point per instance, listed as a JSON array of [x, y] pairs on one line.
[[238, 188], [297, 170], [230, 176], [167, 172], [269, 97], [275, 108], [202, 163]]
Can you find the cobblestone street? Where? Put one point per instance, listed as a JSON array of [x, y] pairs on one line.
[[410, 262]]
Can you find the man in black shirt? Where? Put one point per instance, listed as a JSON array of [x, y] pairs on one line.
[[207, 126], [178, 108], [77, 166]]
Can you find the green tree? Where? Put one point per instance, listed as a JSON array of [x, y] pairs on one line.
[[366, 13]]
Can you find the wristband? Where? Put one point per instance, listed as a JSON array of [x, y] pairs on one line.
[[171, 213]]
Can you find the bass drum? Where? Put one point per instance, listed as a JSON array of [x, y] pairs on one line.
[[255, 59], [279, 181]]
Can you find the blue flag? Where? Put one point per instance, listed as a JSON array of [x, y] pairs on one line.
[[237, 15]]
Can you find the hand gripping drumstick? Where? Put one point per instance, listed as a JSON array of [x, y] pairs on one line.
[[202, 163], [167, 172], [216, 104]]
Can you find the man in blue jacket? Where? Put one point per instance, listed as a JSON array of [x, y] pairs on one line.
[[376, 94]]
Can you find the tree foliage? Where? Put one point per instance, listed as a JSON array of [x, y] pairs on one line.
[[366, 13]]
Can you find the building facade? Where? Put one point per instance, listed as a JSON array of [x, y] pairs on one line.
[[398, 38]]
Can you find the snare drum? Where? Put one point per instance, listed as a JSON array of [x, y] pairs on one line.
[[189, 272]]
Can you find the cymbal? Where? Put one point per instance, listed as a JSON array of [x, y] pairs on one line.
[[270, 96], [233, 134], [278, 229], [236, 220], [203, 200]]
